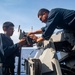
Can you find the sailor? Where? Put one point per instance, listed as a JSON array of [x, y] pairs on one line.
[[56, 18], [10, 49]]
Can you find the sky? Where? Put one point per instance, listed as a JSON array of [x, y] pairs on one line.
[[24, 13]]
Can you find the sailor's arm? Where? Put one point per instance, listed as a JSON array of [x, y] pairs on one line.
[[40, 39], [35, 32], [8, 50]]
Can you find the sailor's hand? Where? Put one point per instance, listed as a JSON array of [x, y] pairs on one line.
[[32, 36], [22, 42]]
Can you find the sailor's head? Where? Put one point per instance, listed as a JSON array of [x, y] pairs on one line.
[[43, 14], [8, 28]]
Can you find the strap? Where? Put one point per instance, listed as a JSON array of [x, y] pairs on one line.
[[1, 45]]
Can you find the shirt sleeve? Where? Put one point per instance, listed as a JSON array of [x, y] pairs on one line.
[[52, 22], [43, 29], [11, 49]]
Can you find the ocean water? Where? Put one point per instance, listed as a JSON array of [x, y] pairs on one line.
[[25, 54]]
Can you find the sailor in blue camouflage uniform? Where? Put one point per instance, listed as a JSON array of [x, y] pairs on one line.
[[56, 18], [10, 49]]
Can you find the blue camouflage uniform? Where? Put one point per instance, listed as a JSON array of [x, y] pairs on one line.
[[10, 51], [59, 18]]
